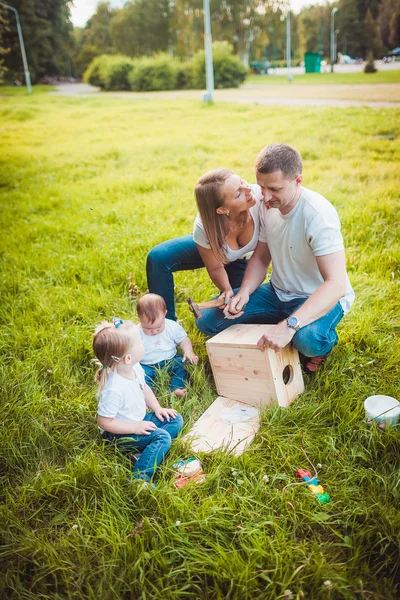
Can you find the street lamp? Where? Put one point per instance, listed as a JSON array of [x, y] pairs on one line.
[[334, 10], [21, 43], [208, 97], [288, 44]]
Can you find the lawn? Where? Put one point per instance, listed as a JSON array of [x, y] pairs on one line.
[[87, 187], [327, 78]]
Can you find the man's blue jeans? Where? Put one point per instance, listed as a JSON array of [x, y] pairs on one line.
[[181, 254], [264, 306], [174, 367], [153, 447]]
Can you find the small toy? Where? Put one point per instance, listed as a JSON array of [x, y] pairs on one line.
[[313, 485], [187, 471]]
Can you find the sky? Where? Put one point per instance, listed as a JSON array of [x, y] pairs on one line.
[[83, 9]]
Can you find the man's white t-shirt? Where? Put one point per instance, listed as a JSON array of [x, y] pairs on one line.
[[200, 238], [311, 229], [123, 398], [163, 345]]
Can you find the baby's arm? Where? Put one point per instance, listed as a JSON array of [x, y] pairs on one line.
[[188, 353], [115, 426], [154, 405]]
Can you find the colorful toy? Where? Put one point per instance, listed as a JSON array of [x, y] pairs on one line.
[[189, 470], [313, 485]]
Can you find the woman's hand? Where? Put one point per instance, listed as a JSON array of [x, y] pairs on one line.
[[236, 306], [225, 296], [165, 412]]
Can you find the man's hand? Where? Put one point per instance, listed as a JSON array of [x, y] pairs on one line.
[[236, 306], [144, 428], [165, 412], [277, 337], [191, 357]]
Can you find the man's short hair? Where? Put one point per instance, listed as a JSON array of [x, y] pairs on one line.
[[279, 157]]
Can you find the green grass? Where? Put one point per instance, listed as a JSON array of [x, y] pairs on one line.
[[327, 78], [12, 90], [87, 187]]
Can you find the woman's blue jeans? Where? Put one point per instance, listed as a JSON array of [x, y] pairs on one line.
[[264, 306], [175, 369], [153, 447], [181, 254]]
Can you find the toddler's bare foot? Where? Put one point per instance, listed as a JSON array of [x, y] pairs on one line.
[[180, 392]]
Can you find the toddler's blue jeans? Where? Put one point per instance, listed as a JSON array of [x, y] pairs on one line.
[[181, 254], [153, 447], [264, 306], [174, 367]]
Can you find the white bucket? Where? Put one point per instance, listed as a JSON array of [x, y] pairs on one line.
[[385, 410]]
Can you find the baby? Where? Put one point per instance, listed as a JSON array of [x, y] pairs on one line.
[[160, 337]]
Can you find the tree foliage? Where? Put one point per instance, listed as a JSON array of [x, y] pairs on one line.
[[46, 29], [394, 33], [3, 49]]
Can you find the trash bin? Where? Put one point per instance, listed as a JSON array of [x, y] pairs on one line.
[[312, 62]]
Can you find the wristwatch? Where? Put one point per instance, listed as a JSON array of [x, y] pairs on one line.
[[293, 323]]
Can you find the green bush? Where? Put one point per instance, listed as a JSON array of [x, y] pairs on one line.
[[159, 72], [115, 72], [185, 76], [229, 71], [163, 72], [93, 74]]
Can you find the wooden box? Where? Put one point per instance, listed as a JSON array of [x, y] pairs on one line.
[[211, 431], [242, 372]]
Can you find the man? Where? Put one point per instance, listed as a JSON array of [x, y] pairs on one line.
[[309, 291]]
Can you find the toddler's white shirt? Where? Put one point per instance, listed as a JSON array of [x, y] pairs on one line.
[[123, 398], [163, 345]]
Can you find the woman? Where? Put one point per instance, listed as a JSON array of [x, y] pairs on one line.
[[225, 230]]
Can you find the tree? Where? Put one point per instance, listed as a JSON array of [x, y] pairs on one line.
[[46, 28], [373, 39], [386, 11], [351, 27], [95, 38], [3, 49], [142, 27], [394, 35]]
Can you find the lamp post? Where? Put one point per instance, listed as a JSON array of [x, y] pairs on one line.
[[334, 11], [21, 43], [288, 44], [208, 97]]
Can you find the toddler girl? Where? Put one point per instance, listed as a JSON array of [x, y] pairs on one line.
[[124, 397], [160, 337]]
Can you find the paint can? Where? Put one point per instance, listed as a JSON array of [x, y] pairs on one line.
[[384, 410]]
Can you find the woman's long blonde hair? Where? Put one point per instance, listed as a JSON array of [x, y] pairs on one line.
[[209, 197], [110, 345]]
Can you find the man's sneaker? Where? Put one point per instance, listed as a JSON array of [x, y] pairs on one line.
[[313, 364]]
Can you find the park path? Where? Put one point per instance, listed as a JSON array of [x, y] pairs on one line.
[[374, 96]]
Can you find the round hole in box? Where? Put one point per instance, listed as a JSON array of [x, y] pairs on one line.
[[287, 374]]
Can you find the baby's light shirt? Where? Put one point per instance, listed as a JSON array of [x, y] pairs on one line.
[[163, 345]]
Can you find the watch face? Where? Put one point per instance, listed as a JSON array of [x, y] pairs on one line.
[[292, 321]]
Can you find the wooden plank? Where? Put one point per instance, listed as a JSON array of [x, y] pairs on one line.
[[240, 336], [211, 432]]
